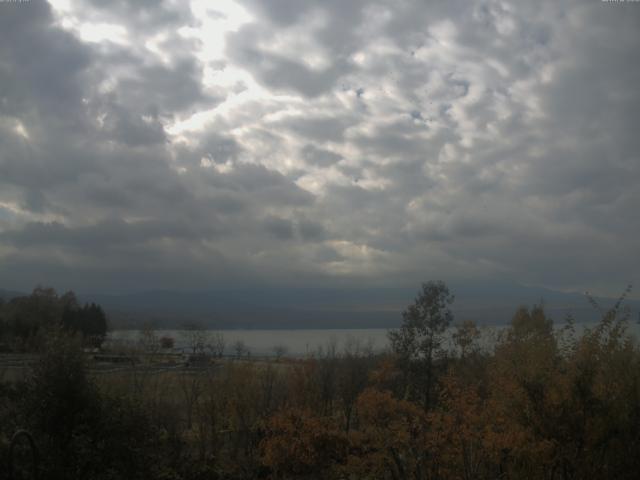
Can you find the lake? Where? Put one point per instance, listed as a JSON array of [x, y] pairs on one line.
[[300, 342], [263, 342]]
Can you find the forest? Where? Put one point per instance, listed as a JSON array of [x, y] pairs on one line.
[[543, 400]]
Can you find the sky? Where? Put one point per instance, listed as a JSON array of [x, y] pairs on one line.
[[203, 144]]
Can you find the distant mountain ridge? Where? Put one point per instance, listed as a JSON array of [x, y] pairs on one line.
[[273, 308], [335, 308], [9, 294]]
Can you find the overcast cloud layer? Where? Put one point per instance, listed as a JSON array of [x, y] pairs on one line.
[[168, 144]]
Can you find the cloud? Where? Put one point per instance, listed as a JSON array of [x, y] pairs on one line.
[[362, 142], [142, 14], [319, 157], [276, 71]]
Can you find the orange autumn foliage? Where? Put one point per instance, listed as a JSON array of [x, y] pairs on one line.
[[390, 437], [543, 403], [299, 443]]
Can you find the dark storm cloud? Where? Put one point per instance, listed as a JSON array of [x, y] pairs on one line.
[[325, 140]]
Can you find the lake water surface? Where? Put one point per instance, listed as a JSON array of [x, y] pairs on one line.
[[304, 342], [263, 342]]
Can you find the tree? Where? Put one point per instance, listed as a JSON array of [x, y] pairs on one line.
[[60, 401], [167, 342], [81, 431], [240, 348], [530, 324], [27, 315], [191, 386], [95, 324], [25, 318], [218, 344], [352, 376], [148, 339], [419, 339], [279, 351], [299, 444], [466, 337], [196, 337], [89, 320], [457, 430], [390, 441], [527, 398]]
